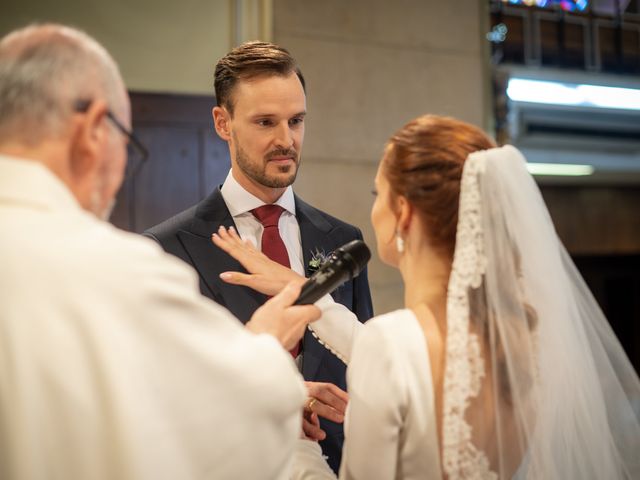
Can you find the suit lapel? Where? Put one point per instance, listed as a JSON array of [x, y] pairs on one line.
[[314, 235], [210, 261], [314, 230]]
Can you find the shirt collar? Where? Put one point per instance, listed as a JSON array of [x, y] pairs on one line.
[[239, 201]]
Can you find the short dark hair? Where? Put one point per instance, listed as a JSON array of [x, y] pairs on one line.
[[250, 60]]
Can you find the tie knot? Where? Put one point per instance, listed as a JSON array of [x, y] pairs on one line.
[[268, 215]]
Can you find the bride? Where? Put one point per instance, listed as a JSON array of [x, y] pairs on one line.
[[501, 364]]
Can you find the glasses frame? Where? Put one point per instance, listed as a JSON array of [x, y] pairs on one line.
[[82, 106]]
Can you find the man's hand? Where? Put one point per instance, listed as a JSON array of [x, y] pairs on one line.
[[279, 318], [311, 426], [327, 401]]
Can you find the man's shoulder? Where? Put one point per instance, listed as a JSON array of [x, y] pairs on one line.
[[210, 209], [169, 227]]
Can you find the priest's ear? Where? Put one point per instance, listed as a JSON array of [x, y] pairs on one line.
[[221, 121], [91, 153], [89, 137]]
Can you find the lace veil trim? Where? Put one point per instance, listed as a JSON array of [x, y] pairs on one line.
[[464, 366]]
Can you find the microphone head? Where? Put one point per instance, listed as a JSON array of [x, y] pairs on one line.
[[355, 255]]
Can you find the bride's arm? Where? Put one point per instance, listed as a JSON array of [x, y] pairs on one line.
[[337, 328], [374, 416], [308, 463], [376, 407]]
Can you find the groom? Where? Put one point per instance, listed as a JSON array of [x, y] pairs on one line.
[[260, 113]]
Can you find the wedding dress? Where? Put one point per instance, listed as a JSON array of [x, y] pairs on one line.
[[536, 385], [390, 427]]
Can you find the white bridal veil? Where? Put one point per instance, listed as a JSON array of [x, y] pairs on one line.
[[536, 383]]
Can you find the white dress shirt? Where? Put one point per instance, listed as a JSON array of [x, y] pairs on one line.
[[240, 203]]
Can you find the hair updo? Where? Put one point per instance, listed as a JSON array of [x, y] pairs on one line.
[[423, 162]]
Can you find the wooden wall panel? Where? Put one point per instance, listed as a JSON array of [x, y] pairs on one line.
[[600, 226], [596, 220], [170, 183], [186, 159], [614, 281], [121, 216], [216, 161]]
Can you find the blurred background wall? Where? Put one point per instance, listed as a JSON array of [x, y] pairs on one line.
[[370, 66], [160, 45]]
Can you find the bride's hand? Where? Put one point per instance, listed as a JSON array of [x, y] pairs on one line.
[[265, 275]]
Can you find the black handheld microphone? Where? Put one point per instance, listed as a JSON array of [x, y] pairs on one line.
[[344, 263]]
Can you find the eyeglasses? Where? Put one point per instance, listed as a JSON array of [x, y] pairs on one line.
[[137, 153]]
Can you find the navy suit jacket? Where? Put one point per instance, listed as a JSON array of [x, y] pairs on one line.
[[188, 236]]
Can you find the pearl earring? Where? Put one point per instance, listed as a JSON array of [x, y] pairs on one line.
[[399, 243]]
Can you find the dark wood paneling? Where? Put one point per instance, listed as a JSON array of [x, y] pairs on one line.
[[186, 159], [614, 281], [596, 220], [216, 161], [121, 216], [171, 184], [600, 226], [171, 108]]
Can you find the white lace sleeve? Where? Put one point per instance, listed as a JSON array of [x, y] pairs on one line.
[[337, 328]]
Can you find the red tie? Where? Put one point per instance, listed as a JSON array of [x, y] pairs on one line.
[[272, 244]]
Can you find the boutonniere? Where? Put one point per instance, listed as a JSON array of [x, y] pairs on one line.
[[317, 259]]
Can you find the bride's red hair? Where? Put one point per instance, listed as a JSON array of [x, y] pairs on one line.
[[423, 162]]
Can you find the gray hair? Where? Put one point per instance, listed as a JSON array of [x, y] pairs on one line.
[[44, 69]]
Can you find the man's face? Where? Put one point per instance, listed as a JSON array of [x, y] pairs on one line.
[[266, 131]]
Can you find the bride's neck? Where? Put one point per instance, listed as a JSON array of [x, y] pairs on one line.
[[425, 273]]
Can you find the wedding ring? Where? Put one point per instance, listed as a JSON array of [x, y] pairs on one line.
[[310, 404]]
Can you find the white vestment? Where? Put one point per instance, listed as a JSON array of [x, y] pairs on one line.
[[112, 365]]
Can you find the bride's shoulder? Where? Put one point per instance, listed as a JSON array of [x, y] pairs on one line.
[[389, 328], [386, 340], [391, 319]]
